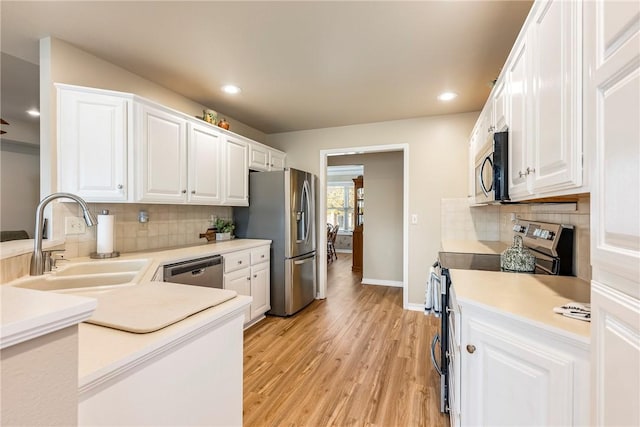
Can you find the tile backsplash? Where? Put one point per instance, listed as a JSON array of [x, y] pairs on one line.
[[168, 226], [493, 222]]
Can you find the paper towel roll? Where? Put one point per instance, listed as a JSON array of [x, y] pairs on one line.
[[105, 233]]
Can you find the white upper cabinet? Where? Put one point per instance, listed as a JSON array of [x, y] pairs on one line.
[[258, 157], [204, 164], [117, 147], [612, 130], [556, 41], [92, 144], [276, 160], [161, 142], [236, 169], [263, 158], [612, 134], [500, 105], [538, 99], [519, 88]]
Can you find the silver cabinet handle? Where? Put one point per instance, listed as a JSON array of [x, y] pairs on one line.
[[184, 191], [193, 191], [262, 256], [249, 278], [255, 276], [520, 174], [471, 348], [239, 262], [530, 170], [120, 186]]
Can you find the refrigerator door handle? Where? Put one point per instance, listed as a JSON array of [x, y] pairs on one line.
[[305, 260], [303, 215]]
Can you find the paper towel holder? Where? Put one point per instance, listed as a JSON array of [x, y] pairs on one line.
[[97, 255]]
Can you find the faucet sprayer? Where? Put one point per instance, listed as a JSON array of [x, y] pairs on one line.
[[37, 260]]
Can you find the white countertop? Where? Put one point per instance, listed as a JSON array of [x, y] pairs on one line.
[[28, 314], [473, 246], [530, 297]]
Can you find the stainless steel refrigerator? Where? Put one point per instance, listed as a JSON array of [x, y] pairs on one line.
[[282, 208]]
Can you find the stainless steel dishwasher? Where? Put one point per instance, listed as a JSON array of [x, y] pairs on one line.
[[206, 271]]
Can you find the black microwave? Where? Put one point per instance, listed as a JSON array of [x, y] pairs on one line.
[[492, 169]]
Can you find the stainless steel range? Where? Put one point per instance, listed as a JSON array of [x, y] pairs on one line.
[[551, 244]]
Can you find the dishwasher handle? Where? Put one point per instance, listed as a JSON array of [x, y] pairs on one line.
[[194, 266]]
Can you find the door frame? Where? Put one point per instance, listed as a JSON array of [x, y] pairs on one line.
[[322, 212]]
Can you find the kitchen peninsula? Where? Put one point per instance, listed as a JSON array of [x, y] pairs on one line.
[[160, 377]]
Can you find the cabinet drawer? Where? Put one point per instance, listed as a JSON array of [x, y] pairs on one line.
[[236, 260], [260, 254]]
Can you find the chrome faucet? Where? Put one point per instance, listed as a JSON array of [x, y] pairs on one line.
[[37, 258]]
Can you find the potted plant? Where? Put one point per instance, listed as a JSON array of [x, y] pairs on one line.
[[224, 228]]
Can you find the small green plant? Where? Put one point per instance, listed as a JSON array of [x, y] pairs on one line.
[[223, 225]]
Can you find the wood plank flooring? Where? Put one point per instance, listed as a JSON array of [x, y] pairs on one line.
[[354, 359]]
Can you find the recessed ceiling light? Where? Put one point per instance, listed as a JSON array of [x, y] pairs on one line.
[[231, 89], [447, 96], [33, 112]]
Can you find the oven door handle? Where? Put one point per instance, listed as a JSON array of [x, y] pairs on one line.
[[436, 340]]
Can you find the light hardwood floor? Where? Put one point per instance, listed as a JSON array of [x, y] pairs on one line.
[[354, 359]]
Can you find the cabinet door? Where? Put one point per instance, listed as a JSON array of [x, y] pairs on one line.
[[519, 104], [205, 165], [509, 380], [500, 105], [240, 281], [615, 358], [162, 173], [92, 145], [260, 291], [612, 108], [236, 172], [258, 157], [276, 160], [557, 96]]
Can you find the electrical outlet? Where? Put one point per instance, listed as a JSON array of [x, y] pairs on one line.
[[74, 225]]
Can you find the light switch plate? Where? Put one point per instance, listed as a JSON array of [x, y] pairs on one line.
[[414, 218], [74, 225]]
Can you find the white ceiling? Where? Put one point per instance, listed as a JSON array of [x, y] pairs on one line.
[[301, 65]]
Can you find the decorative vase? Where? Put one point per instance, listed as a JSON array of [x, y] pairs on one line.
[[224, 124], [223, 236], [209, 116], [517, 258]]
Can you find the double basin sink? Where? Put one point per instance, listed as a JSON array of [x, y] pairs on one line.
[[85, 278]]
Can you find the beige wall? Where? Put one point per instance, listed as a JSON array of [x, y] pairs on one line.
[[382, 232], [20, 186], [40, 381], [435, 144]]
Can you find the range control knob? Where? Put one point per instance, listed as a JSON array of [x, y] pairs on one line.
[[519, 228]]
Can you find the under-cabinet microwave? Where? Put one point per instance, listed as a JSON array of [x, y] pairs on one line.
[[492, 169]]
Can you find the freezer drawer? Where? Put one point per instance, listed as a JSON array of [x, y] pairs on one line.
[[300, 289]]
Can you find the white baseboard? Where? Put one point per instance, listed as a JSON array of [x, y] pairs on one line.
[[394, 283], [343, 251], [415, 307]]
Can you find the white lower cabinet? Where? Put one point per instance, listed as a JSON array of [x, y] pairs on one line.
[[514, 373], [248, 273]]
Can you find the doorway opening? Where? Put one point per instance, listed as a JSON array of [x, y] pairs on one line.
[[395, 228]]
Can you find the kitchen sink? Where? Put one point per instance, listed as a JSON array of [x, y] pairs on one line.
[[55, 283], [102, 267]]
